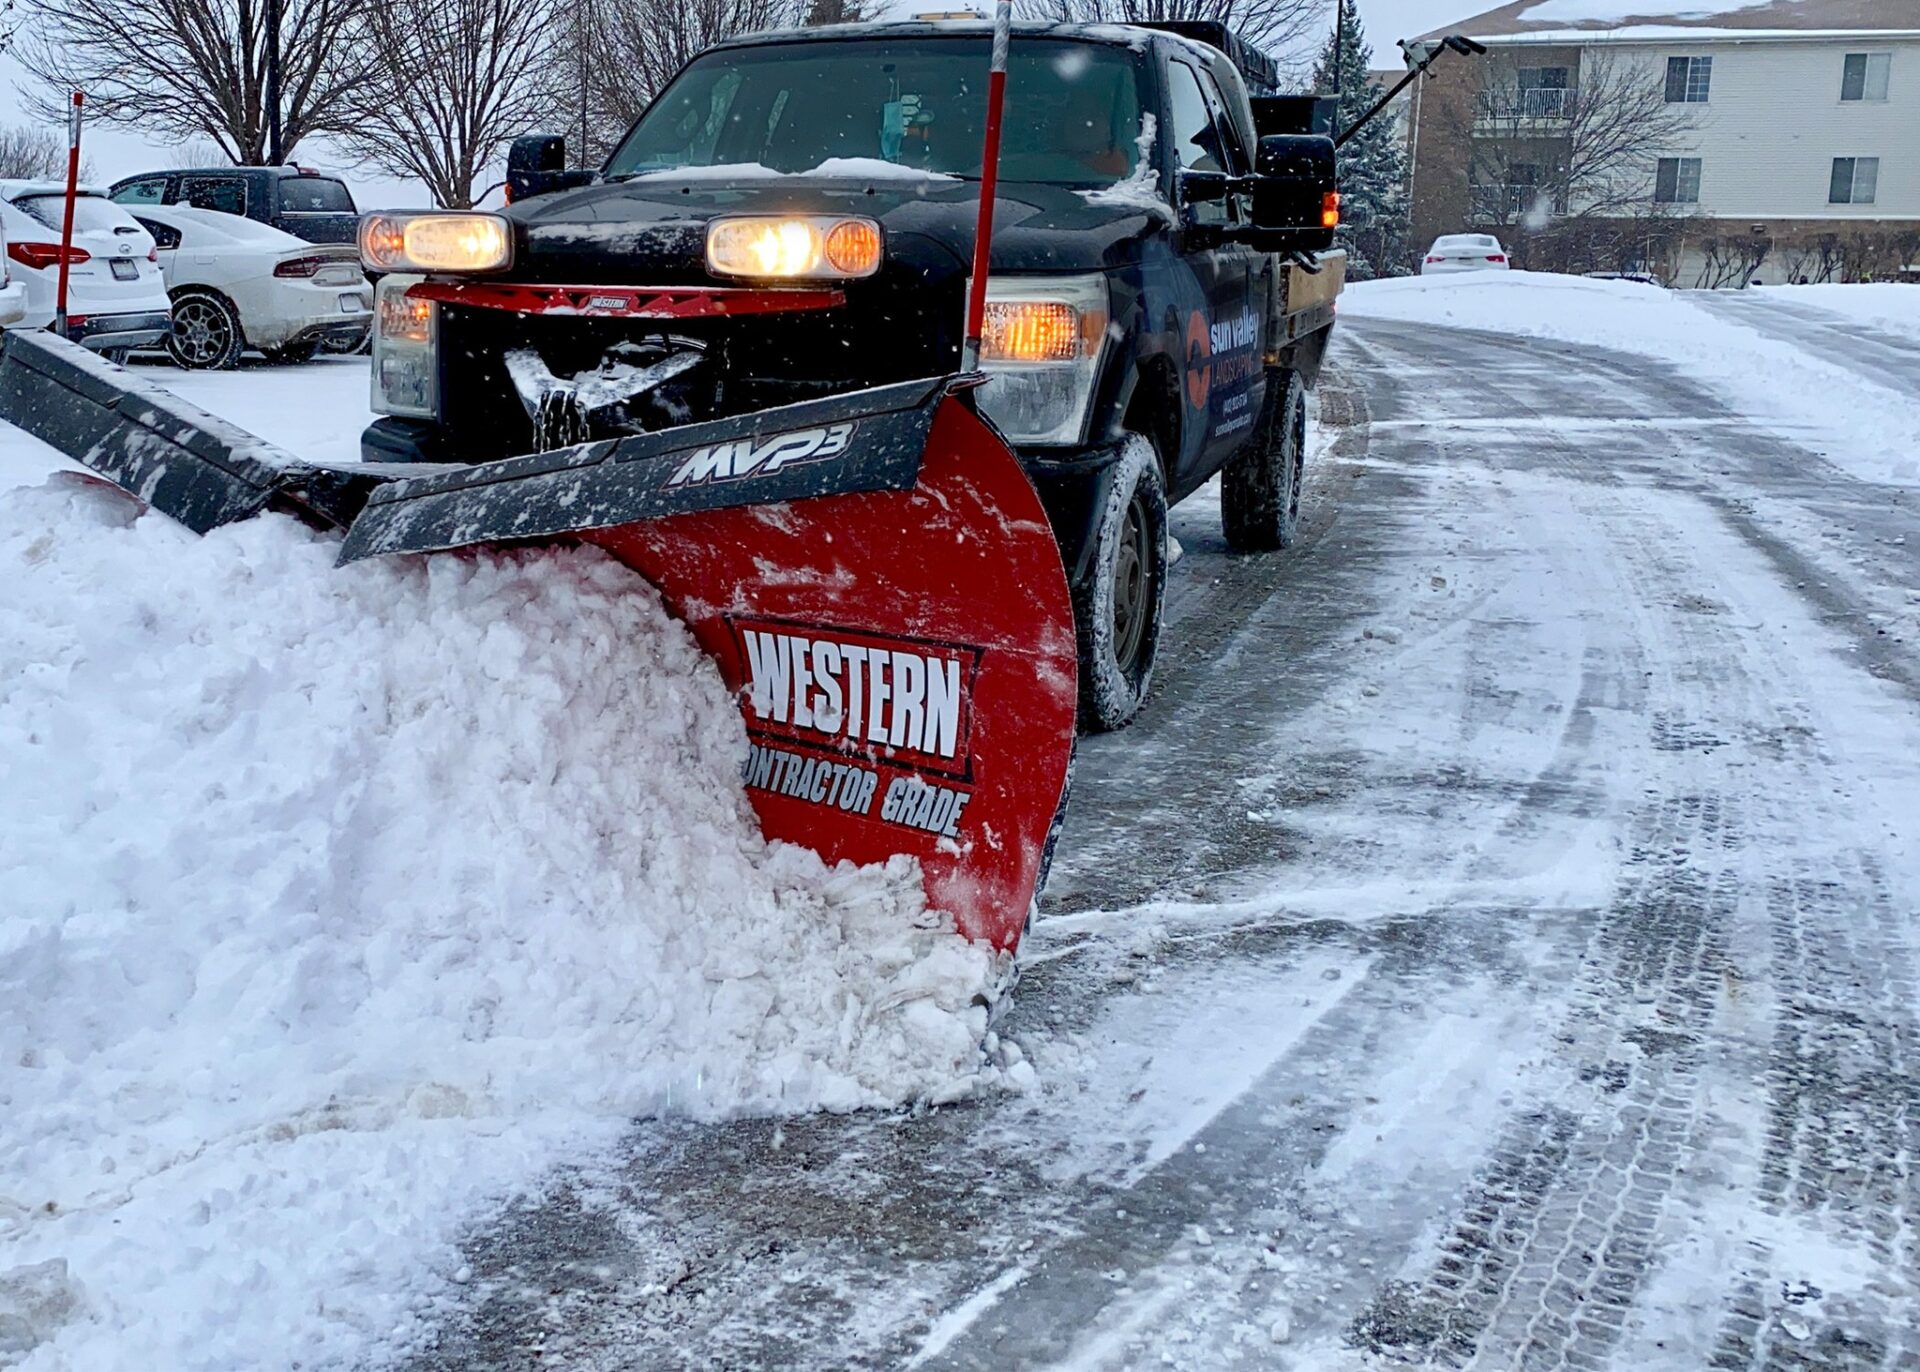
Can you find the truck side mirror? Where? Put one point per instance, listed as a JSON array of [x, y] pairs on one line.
[[1296, 201], [537, 165]]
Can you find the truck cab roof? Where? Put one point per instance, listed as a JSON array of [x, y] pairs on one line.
[[1213, 41]]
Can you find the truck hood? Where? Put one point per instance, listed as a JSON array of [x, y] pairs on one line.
[[651, 230]]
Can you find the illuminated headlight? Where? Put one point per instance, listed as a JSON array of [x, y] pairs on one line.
[[406, 366], [435, 242], [1041, 343], [816, 247]]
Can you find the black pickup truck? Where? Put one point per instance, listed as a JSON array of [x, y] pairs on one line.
[[1148, 326]]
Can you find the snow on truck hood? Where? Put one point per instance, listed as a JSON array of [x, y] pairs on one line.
[[342, 902]]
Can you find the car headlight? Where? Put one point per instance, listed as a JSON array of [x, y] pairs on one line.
[[406, 358], [435, 242], [1041, 342], [810, 247]]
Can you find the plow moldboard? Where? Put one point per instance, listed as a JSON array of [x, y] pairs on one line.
[[905, 662]]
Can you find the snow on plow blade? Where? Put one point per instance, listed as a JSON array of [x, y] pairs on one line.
[[874, 576]]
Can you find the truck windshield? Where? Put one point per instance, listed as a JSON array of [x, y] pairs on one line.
[[900, 107]]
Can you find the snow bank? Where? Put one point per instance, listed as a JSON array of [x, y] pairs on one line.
[[1870, 430], [1882, 305], [341, 902]]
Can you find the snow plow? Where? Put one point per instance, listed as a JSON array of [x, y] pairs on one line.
[[905, 479], [872, 574]]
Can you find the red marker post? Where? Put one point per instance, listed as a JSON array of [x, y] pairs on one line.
[[989, 184], [66, 225]]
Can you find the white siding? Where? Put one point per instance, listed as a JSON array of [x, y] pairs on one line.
[[1775, 122]]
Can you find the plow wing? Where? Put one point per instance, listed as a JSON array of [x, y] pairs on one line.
[[875, 578], [872, 574]]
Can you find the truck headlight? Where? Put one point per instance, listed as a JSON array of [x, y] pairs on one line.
[[1041, 342], [406, 362], [435, 242], [818, 247]]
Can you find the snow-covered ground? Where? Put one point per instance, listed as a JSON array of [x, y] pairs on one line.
[[341, 903], [1504, 908], [1867, 424]]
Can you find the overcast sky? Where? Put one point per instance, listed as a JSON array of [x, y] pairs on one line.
[[1389, 20], [113, 153]]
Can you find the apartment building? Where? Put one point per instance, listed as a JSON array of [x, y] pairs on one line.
[[1715, 144]]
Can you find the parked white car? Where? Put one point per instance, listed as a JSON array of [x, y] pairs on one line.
[[1464, 252], [237, 284], [13, 294], [116, 299]]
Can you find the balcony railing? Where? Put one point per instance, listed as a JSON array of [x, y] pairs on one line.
[[1510, 107]]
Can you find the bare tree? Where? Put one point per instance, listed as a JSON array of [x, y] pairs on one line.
[[188, 68], [1731, 259], [33, 152], [1277, 26], [1568, 155], [637, 46], [447, 84]]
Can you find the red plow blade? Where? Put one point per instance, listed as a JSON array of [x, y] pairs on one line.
[[901, 640]]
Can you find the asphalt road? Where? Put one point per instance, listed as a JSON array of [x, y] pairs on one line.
[[1494, 947]]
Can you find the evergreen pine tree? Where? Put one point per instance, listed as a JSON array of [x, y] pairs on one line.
[[1373, 166], [834, 12]]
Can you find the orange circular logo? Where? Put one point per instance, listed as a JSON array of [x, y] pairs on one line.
[[1199, 360]]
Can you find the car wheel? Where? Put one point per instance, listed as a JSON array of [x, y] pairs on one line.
[[1117, 609], [1260, 489], [206, 333], [293, 353]]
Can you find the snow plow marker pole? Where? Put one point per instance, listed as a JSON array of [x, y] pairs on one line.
[[66, 222], [989, 186]]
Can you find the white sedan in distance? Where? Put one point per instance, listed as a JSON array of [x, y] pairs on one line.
[[1464, 252], [115, 297], [238, 284]]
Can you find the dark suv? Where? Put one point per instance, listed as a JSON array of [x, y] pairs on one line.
[[295, 200]]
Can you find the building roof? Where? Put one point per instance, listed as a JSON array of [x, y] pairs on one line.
[[1667, 18]]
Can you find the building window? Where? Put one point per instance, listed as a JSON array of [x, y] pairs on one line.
[[1543, 92], [1689, 80], [1865, 76], [1677, 181], [1856, 180]]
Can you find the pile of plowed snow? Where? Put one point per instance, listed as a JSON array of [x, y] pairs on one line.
[[338, 903]]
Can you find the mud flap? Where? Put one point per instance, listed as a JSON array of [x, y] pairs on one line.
[[876, 579]]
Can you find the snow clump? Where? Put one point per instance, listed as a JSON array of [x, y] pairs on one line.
[[340, 903]]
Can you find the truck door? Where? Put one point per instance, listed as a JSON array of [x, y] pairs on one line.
[[1222, 344]]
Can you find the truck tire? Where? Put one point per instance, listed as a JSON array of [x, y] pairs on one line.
[[1260, 489], [1117, 608], [206, 332]]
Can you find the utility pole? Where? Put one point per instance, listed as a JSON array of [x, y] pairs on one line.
[[1339, 58], [275, 153]]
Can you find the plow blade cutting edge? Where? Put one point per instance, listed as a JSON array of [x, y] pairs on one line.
[[874, 576], [872, 573]]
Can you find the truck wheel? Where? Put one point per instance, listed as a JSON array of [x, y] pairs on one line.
[[1117, 609], [206, 333], [1260, 489]]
